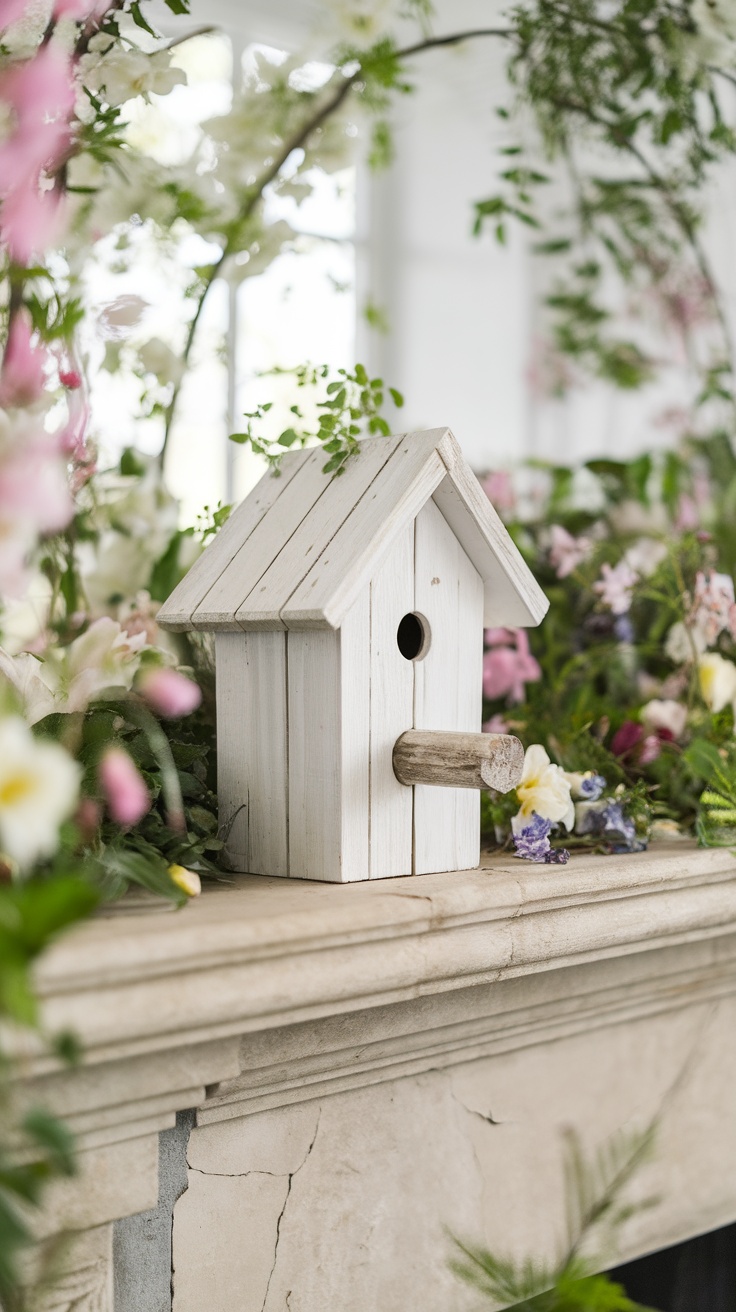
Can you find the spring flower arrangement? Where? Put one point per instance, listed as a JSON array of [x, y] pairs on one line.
[[626, 694]]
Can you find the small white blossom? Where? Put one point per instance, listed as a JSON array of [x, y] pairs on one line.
[[122, 74]]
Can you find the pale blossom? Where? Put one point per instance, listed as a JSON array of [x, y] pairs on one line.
[[103, 658], [717, 678], [158, 358], [121, 73], [187, 880], [713, 609], [543, 788], [663, 714], [499, 489], [29, 678], [615, 586], [39, 787], [645, 555], [169, 692], [684, 642], [125, 790], [567, 552]]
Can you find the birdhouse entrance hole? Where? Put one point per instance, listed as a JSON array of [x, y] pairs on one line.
[[412, 637]]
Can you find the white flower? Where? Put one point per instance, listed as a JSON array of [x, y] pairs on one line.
[[30, 679], [39, 788], [545, 789], [682, 644], [665, 714], [124, 74], [103, 657], [645, 555], [717, 681], [159, 359]]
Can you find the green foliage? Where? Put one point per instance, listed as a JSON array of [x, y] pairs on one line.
[[594, 1189], [32, 915], [350, 408], [624, 100]]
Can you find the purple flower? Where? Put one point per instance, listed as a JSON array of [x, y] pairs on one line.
[[532, 843], [591, 786], [610, 824]]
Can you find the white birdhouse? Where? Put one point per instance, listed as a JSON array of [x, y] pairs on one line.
[[348, 613]]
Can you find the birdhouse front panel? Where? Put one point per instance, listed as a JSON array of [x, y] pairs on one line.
[[348, 615]]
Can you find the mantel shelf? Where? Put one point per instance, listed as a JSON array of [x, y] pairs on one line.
[[451, 1025], [254, 952]]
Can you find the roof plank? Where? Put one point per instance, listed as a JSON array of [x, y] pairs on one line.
[[395, 496], [177, 611], [263, 605], [217, 609]]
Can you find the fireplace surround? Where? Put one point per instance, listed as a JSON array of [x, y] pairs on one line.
[[359, 1070]]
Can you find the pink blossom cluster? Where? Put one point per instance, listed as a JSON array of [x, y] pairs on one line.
[[615, 587], [567, 552], [714, 609], [508, 665]]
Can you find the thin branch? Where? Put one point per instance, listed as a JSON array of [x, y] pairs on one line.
[[295, 142]]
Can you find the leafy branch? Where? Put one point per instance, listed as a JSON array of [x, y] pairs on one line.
[[594, 1188], [350, 409]]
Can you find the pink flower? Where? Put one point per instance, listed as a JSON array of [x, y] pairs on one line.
[[125, 791], [34, 487], [626, 738], [687, 518], [170, 693], [80, 9], [615, 585], [566, 552], [29, 220], [22, 375], [499, 489], [665, 717], [70, 378], [40, 94], [10, 12], [496, 724], [508, 668]]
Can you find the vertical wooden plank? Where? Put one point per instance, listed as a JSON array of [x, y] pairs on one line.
[[391, 711], [448, 592], [252, 749], [314, 699], [355, 712]]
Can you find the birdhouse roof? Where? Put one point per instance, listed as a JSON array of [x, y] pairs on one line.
[[298, 550]]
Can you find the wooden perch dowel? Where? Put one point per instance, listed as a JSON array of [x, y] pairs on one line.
[[458, 760]]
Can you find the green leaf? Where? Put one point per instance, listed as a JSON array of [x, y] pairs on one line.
[[139, 20]]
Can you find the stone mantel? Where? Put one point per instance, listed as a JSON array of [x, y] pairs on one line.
[[292, 1016]]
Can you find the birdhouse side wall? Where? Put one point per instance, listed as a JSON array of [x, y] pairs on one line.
[[448, 695], [252, 777]]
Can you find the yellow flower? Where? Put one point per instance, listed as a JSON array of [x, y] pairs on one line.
[[545, 789], [187, 880], [717, 681]]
